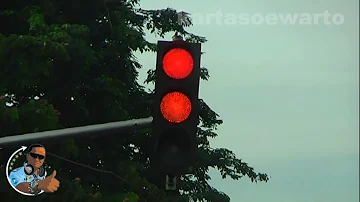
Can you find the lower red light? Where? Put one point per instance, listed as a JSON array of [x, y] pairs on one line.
[[175, 107]]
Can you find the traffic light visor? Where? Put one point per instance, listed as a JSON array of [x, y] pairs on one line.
[[178, 63], [175, 107]]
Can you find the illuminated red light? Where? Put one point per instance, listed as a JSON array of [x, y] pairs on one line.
[[175, 107], [178, 63]]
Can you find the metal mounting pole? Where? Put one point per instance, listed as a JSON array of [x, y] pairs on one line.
[[77, 131]]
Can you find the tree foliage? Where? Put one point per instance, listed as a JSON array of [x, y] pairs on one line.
[[71, 63]]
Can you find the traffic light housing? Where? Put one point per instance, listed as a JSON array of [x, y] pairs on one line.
[[176, 110]]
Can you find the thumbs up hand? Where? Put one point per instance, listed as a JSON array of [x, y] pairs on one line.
[[49, 184]]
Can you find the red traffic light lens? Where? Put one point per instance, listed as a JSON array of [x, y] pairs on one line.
[[175, 107], [178, 63]]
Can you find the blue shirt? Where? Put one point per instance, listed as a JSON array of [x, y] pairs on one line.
[[18, 176]]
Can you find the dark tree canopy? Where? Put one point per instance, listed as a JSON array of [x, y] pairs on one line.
[[71, 63]]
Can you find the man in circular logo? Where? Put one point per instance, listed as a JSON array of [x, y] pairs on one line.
[[30, 179]]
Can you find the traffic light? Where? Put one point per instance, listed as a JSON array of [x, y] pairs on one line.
[[176, 106]]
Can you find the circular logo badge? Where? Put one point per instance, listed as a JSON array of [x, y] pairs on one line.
[[17, 172]]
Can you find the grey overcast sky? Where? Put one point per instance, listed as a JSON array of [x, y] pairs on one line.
[[288, 94]]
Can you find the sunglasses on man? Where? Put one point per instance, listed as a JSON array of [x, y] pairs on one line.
[[38, 156]]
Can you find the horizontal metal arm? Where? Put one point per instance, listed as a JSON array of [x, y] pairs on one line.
[[77, 131]]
